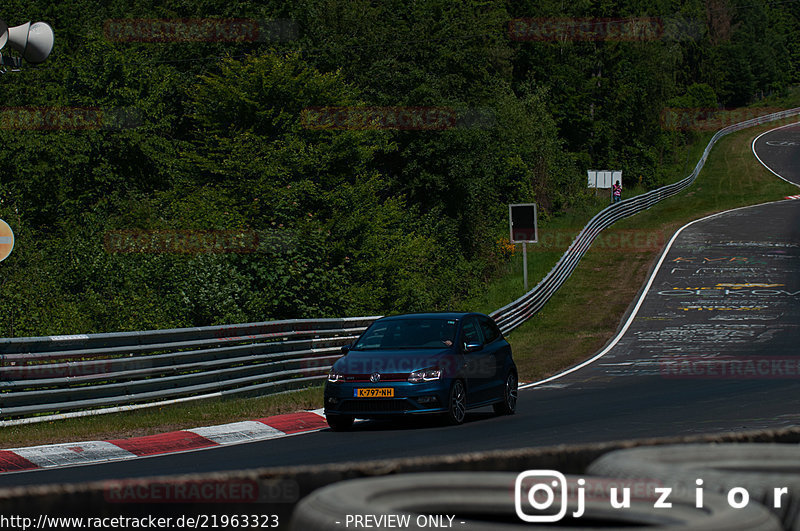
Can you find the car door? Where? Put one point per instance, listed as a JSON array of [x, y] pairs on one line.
[[497, 352], [479, 364]]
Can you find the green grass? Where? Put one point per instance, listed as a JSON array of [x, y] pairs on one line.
[[561, 230], [585, 313], [159, 419], [577, 321]]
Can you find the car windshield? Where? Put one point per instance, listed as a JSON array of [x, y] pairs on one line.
[[409, 333]]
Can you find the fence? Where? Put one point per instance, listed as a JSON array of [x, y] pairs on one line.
[[42, 378], [74, 373], [514, 314]]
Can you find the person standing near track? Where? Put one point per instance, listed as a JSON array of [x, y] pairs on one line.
[[616, 192]]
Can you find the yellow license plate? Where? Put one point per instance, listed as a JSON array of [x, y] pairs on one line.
[[375, 392]]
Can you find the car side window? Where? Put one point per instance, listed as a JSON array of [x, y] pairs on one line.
[[471, 333], [490, 330]]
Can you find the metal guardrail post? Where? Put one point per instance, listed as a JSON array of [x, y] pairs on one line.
[[43, 378]]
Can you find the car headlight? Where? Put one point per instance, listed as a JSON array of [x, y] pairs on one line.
[[335, 376], [425, 375]]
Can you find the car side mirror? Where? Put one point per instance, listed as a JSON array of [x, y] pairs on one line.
[[473, 347], [346, 349]]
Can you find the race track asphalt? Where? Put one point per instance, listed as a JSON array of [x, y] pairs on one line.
[[779, 150], [712, 348]]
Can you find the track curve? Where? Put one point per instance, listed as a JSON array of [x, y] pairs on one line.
[[779, 151], [712, 347]]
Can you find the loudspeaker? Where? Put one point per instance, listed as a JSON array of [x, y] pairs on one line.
[[33, 41]]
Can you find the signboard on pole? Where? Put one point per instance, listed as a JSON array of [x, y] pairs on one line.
[[522, 223], [6, 240], [603, 178], [523, 229]]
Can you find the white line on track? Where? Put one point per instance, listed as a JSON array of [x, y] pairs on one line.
[[632, 316], [753, 148]]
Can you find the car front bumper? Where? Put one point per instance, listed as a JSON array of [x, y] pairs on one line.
[[408, 399]]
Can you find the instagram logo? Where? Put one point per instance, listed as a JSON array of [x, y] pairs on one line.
[[547, 495], [538, 489]]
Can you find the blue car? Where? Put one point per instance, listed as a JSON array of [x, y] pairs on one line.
[[428, 363]]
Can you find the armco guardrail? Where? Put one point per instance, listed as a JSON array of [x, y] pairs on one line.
[[85, 372], [89, 374], [514, 314]]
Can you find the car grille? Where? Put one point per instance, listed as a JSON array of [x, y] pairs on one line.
[[385, 377], [375, 406]]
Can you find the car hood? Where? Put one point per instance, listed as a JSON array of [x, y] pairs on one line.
[[391, 361]]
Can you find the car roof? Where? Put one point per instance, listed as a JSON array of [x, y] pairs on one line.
[[431, 315]]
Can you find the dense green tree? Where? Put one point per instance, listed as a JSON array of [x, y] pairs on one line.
[[227, 135]]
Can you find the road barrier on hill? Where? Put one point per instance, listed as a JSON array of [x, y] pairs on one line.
[[43, 378], [514, 314]]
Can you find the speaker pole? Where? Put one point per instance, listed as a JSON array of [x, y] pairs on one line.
[[8, 60]]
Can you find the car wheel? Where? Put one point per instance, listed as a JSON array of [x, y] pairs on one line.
[[340, 422], [457, 408], [509, 403]]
